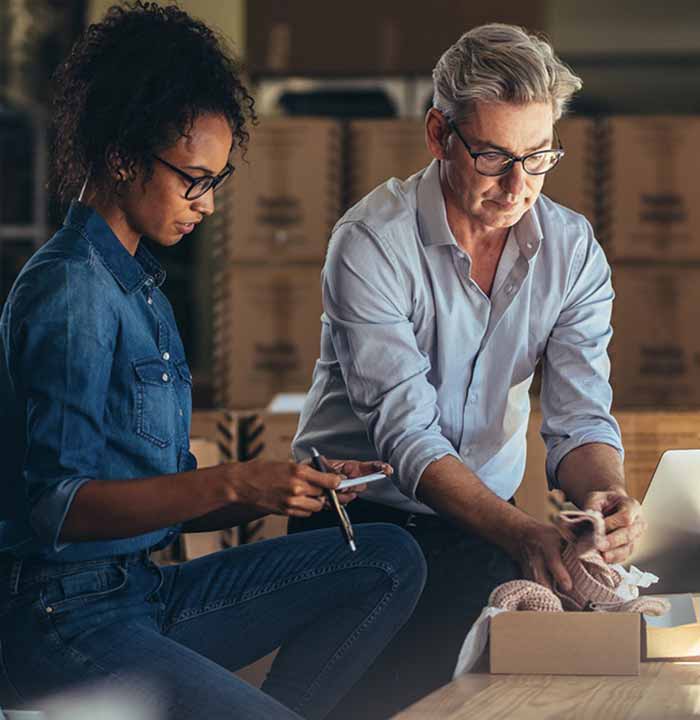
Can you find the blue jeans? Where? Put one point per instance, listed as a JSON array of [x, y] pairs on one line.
[[171, 635]]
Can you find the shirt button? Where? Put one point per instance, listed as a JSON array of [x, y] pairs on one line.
[[510, 289], [166, 356], [529, 246], [165, 377], [49, 609], [181, 413], [150, 301], [468, 451]]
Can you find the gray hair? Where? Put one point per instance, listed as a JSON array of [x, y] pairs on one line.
[[501, 63]]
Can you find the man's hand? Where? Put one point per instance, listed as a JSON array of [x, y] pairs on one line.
[[624, 523], [538, 550]]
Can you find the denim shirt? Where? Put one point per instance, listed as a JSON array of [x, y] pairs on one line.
[[418, 363], [93, 384]]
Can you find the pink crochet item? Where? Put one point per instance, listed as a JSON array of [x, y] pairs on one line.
[[594, 581]]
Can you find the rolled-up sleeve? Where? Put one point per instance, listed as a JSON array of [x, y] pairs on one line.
[[576, 395], [367, 302], [64, 351]]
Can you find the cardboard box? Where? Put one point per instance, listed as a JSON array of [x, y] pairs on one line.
[[681, 642], [381, 149], [655, 350], [219, 426], [569, 643], [267, 333], [653, 205], [206, 452], [285, 196], [572, 183]]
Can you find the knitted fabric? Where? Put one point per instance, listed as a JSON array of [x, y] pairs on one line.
[[594, 581]]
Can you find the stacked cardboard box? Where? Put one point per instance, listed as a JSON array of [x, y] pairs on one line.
[[268, 331], [573, 183], [381, 149], [655, 352], [653, 219], [653, 206], [276, 215]]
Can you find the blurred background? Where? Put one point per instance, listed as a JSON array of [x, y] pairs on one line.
[[342, 90]]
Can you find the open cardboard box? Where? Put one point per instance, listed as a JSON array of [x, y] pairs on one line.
[[591, 643], [568, 643]]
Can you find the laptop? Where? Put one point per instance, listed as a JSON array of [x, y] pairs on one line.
[[670, 548]]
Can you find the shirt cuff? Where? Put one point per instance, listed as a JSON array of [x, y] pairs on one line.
[[565, 446], [49, 513]]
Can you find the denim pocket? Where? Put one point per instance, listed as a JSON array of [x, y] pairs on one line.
[[79, 589], [155, 401]]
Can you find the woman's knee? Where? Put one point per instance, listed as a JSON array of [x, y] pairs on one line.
[[398, 550]]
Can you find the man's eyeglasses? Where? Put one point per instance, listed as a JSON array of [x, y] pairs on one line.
[[202, 184], [496, 162]]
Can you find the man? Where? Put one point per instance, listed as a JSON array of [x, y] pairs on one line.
[[441, 295]]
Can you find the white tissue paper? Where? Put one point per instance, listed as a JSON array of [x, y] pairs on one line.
[[476, 641]]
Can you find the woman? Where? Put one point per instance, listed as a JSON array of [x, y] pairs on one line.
[[94, 419]]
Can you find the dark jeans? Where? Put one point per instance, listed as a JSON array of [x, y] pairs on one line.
[[170, 636], [463, 569]]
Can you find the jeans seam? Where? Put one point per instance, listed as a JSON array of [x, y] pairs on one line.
[[186, 615], [65, 648], [376, 611]]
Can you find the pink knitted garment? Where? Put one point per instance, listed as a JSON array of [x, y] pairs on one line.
[[594, 581]]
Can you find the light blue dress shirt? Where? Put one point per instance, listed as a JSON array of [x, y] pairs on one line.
[[417, 363]]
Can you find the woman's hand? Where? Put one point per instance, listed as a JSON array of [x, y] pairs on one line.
[[283, 488]]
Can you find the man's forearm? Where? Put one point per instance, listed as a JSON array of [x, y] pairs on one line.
[[590, 467], [458, 495]]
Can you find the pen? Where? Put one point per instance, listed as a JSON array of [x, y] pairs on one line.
[[345, 525]]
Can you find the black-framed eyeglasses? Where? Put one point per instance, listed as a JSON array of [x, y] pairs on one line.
[[498, 162], [202, 184]]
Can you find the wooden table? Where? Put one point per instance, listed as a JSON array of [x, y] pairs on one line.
[[662, 691]]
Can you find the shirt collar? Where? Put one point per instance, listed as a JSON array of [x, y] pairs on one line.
[[432, 216], [131, 272], [435, 230]]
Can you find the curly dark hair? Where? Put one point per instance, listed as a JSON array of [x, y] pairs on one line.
[[133, 84]]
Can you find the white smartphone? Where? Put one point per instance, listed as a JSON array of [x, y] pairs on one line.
[[352, 482]]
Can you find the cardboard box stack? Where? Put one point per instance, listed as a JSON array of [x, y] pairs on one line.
[[276, 216], [573, 183], [381, 149], [653, 219]]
